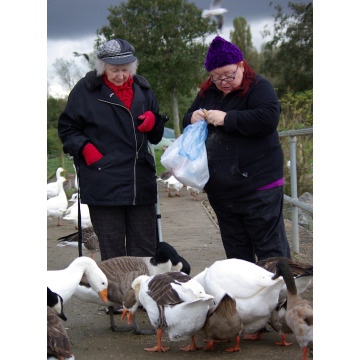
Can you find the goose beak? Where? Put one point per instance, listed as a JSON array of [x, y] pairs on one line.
[[103, 295], [130, 317], [123, 314]]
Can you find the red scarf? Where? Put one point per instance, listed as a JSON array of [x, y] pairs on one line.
[[123, 92]]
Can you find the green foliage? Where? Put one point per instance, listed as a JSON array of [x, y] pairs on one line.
[[297, 113], [159, 167], [241, 37], [169, 40], [288, 57], [54, 108]]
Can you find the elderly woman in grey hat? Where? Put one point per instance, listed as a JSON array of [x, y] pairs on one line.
[[110, 117]]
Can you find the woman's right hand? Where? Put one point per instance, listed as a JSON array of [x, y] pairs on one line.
[[197, 115]]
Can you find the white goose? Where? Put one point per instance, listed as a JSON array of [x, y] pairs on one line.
[[173, 302], [53, 187], [255, 292], [193, 192], [174, 184], [71, 214], [57, 205], [121, 271], [64, 282]]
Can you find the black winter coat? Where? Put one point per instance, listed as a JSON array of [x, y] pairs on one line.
[[244, 154], [126, 174]]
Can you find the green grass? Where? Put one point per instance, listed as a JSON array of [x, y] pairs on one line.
[[159, 167]]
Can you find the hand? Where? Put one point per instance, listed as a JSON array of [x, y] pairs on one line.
[[149, 121], [91, 154], [197, 116], [216, 117]]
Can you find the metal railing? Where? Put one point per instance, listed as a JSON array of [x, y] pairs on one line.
[[293, 200]]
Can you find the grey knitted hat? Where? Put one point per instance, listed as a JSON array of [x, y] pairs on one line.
[[117, 52]]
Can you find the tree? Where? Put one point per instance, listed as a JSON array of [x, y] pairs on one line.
[[241, 37], [289, 55], [169, 41], [68, 71]]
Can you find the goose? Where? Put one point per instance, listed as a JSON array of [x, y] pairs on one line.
[[121, 271], [64, 282], [223, 322], [193, 192], [303, 273], [278, 323], [53, 187], [174, 184], [57, 205], [56, 302], [299, 312], [174, 302], [90, 241], [162, 179], [58, 344], [72, 212], [217, 11], [255, 292]]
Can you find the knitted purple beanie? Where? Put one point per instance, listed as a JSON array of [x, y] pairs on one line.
[[222, 53]]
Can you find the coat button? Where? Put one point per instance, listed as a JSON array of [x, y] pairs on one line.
[[99, 169]]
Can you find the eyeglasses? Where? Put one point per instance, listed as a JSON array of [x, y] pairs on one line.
[[227, 79]]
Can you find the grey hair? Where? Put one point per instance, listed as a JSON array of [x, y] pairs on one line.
[[100, 66]]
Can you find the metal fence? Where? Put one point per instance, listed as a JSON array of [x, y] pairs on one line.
[[293, 199]]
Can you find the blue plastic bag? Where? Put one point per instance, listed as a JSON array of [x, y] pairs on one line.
[[186, 157]]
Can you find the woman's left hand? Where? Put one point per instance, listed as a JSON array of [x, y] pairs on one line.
[[216, 117]]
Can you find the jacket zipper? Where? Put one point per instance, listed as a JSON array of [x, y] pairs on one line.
[[136, 147]]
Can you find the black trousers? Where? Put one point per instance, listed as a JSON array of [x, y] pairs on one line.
[[252, 225], [125, 230]]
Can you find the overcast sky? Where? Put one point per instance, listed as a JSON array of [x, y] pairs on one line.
[[72, 25]]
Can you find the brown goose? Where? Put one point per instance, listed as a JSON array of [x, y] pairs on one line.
[[223, 322], [122, 271], [299, 312], [58, 343]]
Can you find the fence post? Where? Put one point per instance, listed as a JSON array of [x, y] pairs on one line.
[[294, 195]]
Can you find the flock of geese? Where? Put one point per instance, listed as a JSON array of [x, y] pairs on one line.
[[229, 299]]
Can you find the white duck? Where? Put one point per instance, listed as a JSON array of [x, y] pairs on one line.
[[193, 192], [64, 282], [255, 292], [71, 213], [217, 11], [162, 179], [58, 342], [174, 184], [173, 302], [121, 271], [57, 205], [53, 187], [299, 312], [90, 241]]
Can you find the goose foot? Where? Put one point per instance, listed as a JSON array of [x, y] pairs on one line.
[[236, 347], [283, 342], [192, 346], [158, 347]]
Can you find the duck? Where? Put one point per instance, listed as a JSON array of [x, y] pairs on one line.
[[53, 187], [193, 192], [72, 212], [303, 273], [174, 184], [57, 205], [58, 343], [223, 322], [65, 281], [299, 311], [90, 240], [174, 302], [55, 301], [121, 271], [217, 11], [255, 292]]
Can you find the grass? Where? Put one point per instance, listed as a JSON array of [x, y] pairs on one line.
[[159, 167]]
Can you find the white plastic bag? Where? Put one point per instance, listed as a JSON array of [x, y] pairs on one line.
[[186, 157]]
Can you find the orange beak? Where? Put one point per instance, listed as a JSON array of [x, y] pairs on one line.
[[130, 317], [103, 295]]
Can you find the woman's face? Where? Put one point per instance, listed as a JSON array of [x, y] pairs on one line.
[[227, 73], [117, 74]]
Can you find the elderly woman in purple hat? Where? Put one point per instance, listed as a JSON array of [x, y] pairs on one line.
[[245, 158], [110, 117]]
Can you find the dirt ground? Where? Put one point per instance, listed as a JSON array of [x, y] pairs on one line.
[[187, 225]]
